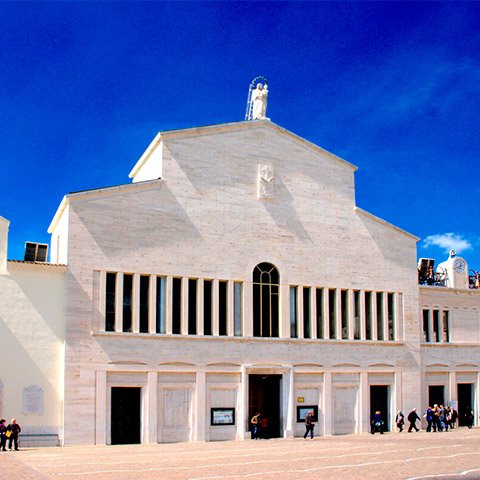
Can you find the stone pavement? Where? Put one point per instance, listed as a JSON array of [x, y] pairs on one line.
[[451, 455]]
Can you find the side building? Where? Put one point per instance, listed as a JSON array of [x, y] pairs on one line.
[[32, 312]]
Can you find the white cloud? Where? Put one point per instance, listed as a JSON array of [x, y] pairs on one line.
[[448, 241]]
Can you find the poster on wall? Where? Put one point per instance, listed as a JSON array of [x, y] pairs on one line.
[[222, 416], [33, 400], [303, 410]]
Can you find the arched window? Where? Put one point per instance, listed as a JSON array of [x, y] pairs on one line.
[[266, 287]]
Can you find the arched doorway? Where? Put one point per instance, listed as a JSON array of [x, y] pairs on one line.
[[266, 286]]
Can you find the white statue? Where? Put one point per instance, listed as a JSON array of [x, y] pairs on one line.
[[259, 100]]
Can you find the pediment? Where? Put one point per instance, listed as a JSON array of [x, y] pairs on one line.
[[177, 364], [310, 365], [381, 365], [223, 364], [126, 362], [149, 165], [437, 365]]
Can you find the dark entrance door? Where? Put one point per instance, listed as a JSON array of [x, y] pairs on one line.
[[379, 402], [125, 424], [436, 395], [465, 398], [264, 397]]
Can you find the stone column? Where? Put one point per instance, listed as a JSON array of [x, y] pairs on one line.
[[101, 408], [452, 388], [288, 402], [476, 400], [327, 404], [100, 295], [248, 309], [151, 409], [364, 406], [284, 330], [242, 409], [201, 413], [4, 225], [397, 400], [430, 325]]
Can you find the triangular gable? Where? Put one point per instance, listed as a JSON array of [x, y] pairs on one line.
[[149, 165]]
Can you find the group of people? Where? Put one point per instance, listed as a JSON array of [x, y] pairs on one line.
[[260, 424], [438, 417], [9, 432]]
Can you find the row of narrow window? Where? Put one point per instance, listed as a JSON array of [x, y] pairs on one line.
[[324, 313], [436, 325], [159, 286], [373, 318]]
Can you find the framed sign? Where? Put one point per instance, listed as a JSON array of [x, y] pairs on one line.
[[303, 410], [222, 416]]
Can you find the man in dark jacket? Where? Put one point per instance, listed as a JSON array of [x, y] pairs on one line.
[[412, 418], [14, 429], [309, 424], [3, 435]]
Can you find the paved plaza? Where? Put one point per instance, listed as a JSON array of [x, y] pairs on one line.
[[451, 455]]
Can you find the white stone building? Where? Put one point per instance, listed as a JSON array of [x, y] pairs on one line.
[[235, 274]]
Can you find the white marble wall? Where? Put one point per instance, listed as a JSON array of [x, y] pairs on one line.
[[204, 220]]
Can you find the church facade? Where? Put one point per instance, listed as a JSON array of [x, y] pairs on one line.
[[236, 275]]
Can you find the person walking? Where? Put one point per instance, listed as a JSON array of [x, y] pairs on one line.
[[14, 428], [469, 417], [400, 420], [453, 421], [436, 418], [309, 424], [256, 422], [412, 418], [3, 435], [378, 424], [429, 417]]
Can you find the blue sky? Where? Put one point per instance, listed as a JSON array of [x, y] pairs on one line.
[[392, 87]]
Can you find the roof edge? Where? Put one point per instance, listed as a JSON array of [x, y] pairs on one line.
[[22, 263], [58, 214], [141, 161], [165, 135], [384, 223]]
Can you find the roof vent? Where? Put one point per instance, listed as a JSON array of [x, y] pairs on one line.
[[35, 252]]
